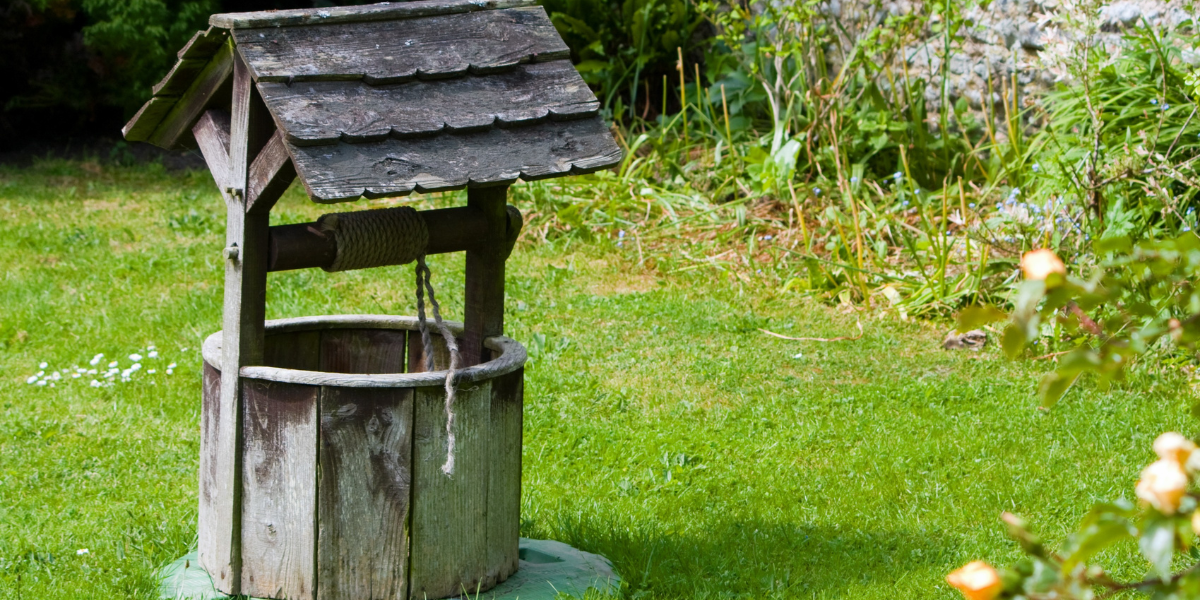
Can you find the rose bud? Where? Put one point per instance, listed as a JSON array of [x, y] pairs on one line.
[[1039, 264], [1172, 446], [976, 580], [1163, 485]]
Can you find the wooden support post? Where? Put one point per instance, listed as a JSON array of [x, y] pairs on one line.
[[245, 254], [484, 313]]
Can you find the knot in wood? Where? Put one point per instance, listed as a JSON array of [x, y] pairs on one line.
[[375, 238]]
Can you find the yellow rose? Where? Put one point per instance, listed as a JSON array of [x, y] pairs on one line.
[[1039, 264], [976, 580], [1163, 485], [1172, 446]]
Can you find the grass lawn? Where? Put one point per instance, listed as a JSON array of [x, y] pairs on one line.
[[662, 429]]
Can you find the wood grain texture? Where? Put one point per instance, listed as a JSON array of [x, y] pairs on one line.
[[483, 314], [396, 51], [147, 119], [214, 489], [504, 474], [220, 528], [204, 44], [279, 482], [342, 172], [322, 112], [180, 77], [363, 351], [365, 491], [293, 350], [212, 136], [270, 175], [449, 515], [383, 11], [209, 89]]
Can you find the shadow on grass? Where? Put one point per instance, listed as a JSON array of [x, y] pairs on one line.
[[750, 558]]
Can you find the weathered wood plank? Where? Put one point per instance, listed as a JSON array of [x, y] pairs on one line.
[[246, 236], [203, 44], [449, 515], [293, 350], [205, 92], [365, 489], [279, 502], [214, 556], [142, 125], [483, 314], [322, 112], [504, 483], [270, 175], [212, 135], [341, 172], [391, 52], [363, 351], [180, 77], [416, 349], [383, 11]]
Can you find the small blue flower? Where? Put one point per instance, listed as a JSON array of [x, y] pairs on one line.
[[1154, 101], [853, 180], [1036, 167], [621, 234], [817, 191], [972, 205], [1187, 227], [905, 203], [897, 175], [766, 237], [1166, 106]]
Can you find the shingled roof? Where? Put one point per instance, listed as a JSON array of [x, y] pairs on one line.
[[391, 98]]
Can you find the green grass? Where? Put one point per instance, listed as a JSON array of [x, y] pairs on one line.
[[662, 429]]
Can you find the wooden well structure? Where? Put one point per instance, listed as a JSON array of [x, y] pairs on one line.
[[323, 438]]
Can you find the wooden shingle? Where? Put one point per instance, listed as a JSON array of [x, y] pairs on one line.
[[391, 98]]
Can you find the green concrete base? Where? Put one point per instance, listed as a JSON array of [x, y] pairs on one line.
[[547, 568]]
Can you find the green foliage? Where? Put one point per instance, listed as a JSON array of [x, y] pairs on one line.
[[662, 429], [623, 48], [135, 42]]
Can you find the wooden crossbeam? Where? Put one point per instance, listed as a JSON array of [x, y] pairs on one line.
[[270, 175], [212, 135]]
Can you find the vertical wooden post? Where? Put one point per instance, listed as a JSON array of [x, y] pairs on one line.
[[484, 311], [246, 238]]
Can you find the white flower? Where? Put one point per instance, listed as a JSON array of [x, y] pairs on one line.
[[152, 353], [112, 364], [91, 371], [81, 552], [95, 383], [171, 366], [152, 371], [95, 360], [32, 379], [42, 382], [43, 365], [75, 375], [135, 357]]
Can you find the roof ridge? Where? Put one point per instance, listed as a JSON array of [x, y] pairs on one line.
[[384, 11]]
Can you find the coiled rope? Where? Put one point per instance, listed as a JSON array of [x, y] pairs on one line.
[[375, 238]]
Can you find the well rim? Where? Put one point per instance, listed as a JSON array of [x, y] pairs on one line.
[[511, 355]]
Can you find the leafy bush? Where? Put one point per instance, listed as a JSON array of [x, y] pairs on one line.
[[624, 48]]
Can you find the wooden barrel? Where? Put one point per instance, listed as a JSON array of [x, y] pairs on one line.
[[343, 440]]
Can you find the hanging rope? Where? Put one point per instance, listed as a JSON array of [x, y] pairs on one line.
[[375, 238], [423, 284]]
